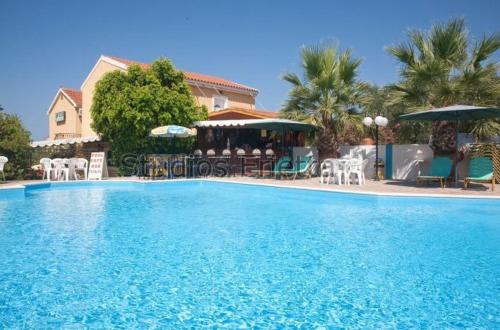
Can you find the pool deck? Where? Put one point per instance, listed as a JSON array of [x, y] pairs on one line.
[[386, 187]]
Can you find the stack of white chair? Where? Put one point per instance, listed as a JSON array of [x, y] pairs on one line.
[[343, 171], [332, 170], [357, 170], [3, 161], [59, 168], [78, 166], [64, 169], [46, 167], [326, 170]]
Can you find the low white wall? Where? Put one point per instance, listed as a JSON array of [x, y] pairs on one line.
[[410, 160], [407, 159]]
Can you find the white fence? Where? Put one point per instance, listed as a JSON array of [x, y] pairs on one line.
[[407, 159]]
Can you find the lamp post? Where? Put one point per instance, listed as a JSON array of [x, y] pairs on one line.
[[382, 122]]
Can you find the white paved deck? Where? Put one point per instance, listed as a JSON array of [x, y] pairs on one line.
[[373, 187], [382, 187]]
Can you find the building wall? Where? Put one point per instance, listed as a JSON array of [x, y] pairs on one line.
[[88, 93], [72, 123], [203, 96], [232, 115]]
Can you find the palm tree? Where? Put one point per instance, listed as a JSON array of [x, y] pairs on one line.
[[326, 96], [440, 68]]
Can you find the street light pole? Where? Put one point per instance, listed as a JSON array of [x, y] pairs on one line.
[[377, 178], [379, 121]]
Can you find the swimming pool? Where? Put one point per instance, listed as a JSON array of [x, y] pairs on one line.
[[207, 254]]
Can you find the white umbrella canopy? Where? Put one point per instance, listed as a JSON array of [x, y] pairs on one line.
[[173, 131]]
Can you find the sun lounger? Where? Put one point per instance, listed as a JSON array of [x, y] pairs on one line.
[[301, 168], [480, 170], [440, 171], [282, 164]]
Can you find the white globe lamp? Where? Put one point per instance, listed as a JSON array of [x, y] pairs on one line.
[[367, 121], [381, 121]]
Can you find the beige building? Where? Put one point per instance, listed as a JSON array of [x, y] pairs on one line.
[[65, 114], [69, 113]]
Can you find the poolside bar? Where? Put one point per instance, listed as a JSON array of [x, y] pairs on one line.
[[278, 135]]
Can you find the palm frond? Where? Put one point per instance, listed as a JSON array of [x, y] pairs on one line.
[[405, 53], [484, 129], [292, 78], [484, 49], [449, 41], [420, 41]]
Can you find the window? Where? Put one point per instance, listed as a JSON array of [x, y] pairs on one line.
[[220, 102], [60, 116]]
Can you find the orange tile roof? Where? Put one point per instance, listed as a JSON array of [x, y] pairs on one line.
[[259, 114], [74, 94], [193, 76]]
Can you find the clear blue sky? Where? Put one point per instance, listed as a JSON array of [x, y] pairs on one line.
[[48, 44]]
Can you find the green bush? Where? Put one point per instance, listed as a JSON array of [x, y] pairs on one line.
[[15, 145]]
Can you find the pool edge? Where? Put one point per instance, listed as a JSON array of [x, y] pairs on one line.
[[41, 185]]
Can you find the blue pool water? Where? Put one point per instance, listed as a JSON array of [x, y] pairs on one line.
[[204, 254]]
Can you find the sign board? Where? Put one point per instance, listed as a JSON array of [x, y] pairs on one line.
[[98, 168]]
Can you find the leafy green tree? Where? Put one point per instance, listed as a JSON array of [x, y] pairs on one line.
[[14, 144], [442, 67], [326, 96], [127, 105]]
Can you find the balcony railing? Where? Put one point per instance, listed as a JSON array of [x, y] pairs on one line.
[[59, 136]]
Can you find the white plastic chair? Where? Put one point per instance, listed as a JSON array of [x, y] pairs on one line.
[[326, 171], [81, 165], [3, 161], [356, 169], [72, 167], [329, 170], [59, 169], [343, 171], [46, 167]]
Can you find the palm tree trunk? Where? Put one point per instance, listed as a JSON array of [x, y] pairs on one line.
[[327, 146]]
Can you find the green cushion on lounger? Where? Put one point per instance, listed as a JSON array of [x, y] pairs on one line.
[[301, 166], [282, 164], [440, 168], [480, 169]]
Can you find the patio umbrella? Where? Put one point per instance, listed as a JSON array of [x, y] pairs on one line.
[[454, 113], [279, 125], [173, 131], [283, 125]]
